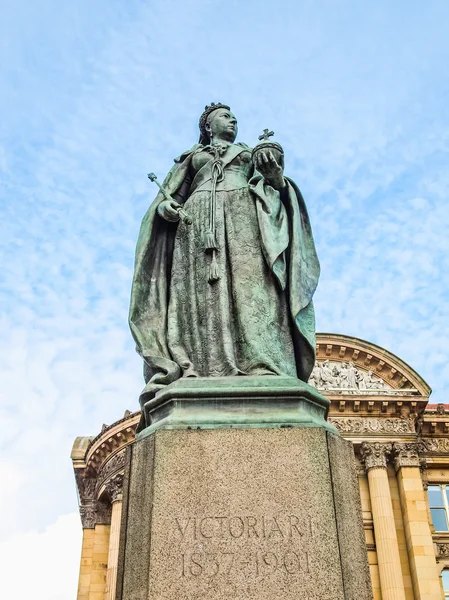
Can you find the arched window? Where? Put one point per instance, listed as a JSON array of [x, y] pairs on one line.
[[445, 576]]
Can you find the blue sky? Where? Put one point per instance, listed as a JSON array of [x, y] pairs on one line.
[[94, 95]]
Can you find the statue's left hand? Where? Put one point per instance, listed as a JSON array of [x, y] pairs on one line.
[[271, 170]]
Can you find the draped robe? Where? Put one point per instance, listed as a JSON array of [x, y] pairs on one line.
[[258, 318]]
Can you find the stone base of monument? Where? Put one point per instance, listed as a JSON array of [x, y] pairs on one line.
[[240, 504]]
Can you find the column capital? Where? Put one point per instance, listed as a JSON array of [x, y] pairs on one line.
[[374, 454], [114, 488], [88, 501], [88, 514], [93, 511], [405, 454]]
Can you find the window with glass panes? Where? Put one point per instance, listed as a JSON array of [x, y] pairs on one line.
[[439, 506], [445, 576]]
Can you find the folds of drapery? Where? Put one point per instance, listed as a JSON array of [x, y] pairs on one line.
[[287, 245]]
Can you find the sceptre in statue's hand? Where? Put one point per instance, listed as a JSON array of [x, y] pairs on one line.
[[170, 209]]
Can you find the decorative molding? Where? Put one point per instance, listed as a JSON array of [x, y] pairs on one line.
[[374, 425], [443, 550], [374, 455], [110, 468], [406, 455], [106, 428], [331, 375], [434, 445], [423, 469], [114, 488], [419, 423], [87, 499], [92, 511], [88, 514], [86, 487], [435, 425], [108, 442]]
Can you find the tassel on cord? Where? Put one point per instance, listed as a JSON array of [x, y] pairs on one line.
[[210, 241], [214, 274]]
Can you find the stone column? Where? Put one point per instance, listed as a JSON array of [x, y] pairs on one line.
[[88, 517], [85, 564], [420, 548], [97, 586], [375, 458], [114, 489], [95, 518]]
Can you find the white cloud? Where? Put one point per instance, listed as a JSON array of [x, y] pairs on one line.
[[42, 565]]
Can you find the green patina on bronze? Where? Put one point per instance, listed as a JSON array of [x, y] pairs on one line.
[[235, 403], [226, 265]]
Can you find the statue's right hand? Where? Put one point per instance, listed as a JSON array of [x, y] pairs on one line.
[[169, 210]]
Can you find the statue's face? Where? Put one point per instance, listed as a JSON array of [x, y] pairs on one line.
[[222, 124]]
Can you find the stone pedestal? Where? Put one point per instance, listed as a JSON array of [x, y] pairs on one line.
[[248, 513]]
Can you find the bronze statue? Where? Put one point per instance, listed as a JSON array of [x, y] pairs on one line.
[[226, 265]]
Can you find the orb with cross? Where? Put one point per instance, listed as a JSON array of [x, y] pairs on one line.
[[265, 145]]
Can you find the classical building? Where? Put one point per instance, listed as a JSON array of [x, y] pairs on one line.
[[401, 444]]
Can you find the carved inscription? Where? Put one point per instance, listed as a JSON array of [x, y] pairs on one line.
[[284, 526], [257, 564], [257, 546]]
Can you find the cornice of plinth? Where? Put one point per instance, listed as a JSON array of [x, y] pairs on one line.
[[238, 402], [375, 455], [367, 356], [406, 455]]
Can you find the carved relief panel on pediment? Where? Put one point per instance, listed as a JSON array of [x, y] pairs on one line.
[[332, 375]]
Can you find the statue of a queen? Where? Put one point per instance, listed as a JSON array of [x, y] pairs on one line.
[[227, 291]]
